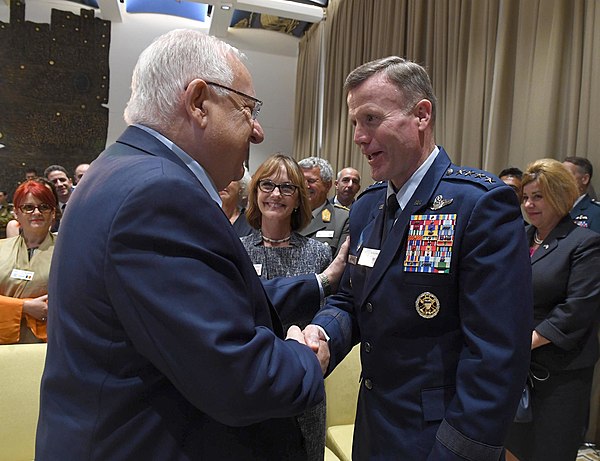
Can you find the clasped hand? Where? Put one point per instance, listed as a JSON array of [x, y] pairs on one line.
[[37, 307], [314, 338]]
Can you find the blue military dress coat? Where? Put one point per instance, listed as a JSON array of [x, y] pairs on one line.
[[443, 311], [162, 342], [586, 213]]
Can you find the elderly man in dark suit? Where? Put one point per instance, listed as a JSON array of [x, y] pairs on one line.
[[162, 342], [330, 222], [437, 289]]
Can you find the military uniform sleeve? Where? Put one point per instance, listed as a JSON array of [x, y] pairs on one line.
[[495, 303]]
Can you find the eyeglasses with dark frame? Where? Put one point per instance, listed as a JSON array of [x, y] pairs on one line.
[[257, 102], [29, 208], [268, 186]]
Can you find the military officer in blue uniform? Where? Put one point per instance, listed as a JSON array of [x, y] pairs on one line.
[[437, 289], [586, 211]]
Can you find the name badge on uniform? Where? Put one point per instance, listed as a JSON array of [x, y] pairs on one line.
[[258, 269], [326, 234], [368, 256], [21, 274], [430, 240]]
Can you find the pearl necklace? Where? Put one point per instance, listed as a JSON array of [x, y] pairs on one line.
[[536, 239], [269, 240]]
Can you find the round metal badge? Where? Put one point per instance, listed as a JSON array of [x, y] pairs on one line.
[[427, 305]]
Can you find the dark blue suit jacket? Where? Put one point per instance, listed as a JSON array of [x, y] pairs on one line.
[[162, 342], [440, 379]]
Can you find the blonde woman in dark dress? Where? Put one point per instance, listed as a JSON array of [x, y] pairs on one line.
[[566, 294]]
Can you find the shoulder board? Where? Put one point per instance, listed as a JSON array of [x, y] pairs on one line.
[[373, 187], [595, 202], [472, 175], [341, 207]]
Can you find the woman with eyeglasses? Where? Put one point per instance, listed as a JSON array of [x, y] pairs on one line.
[[278, 208], [25, 265]]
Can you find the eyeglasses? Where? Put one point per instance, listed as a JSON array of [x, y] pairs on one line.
[[29, 208], [268, 186], [257, 102]]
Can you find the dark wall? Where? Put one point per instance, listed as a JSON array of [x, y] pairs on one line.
[[54, 80]]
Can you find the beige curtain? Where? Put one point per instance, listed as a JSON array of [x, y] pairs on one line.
[[514, 78], [308, 94]]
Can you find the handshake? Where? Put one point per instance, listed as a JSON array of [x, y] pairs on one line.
[[313, 337]]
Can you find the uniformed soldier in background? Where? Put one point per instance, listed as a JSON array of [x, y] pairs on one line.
[[586, 211], [437, 288], [330, 222]]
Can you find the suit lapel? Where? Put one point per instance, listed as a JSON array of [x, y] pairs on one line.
[[544, 250], [317, 224], [371, 234], [395, 240], [551, 242]]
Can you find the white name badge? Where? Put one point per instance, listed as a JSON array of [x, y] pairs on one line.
[[21, 274], [368, 256], [326, 234], [258, 269]]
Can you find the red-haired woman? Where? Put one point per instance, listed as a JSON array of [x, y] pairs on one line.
[[25, 265]]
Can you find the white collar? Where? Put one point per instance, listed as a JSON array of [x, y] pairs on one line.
[[408, 189]]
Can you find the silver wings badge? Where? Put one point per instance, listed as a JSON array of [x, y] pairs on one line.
[[440, 202]]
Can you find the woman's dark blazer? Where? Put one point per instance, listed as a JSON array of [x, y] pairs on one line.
[[566, 296]]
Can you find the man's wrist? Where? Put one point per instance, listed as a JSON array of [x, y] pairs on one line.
[[325, 284], [322, 330]]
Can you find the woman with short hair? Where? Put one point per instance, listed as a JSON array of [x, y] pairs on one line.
[[25, 265], [566, 292]]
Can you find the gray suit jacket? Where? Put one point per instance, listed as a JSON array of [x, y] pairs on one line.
[[331, 218], [566, 296]]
